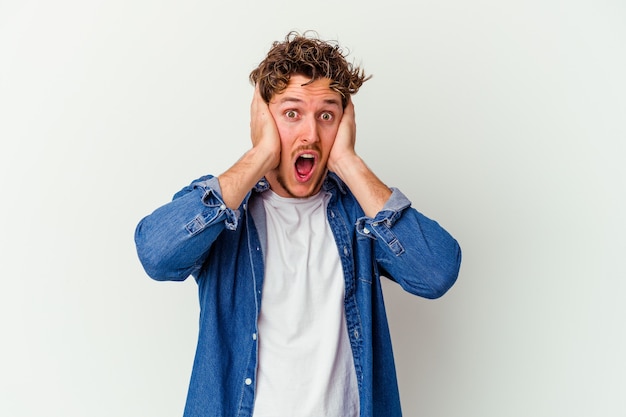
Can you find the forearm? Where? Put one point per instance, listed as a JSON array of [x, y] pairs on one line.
[[367, 188], [238, 180]]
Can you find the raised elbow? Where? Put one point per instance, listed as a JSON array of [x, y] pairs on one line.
[[444, 274], [155, 259], [432, 277]]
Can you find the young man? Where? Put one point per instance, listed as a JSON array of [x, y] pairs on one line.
[[288, 246]]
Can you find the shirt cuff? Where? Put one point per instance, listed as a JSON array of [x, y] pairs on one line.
[[212, 198], [380, 226]]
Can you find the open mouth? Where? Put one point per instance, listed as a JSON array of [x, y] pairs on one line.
[[304, 166]]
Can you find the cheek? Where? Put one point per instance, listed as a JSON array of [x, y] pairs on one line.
[[328, 138]]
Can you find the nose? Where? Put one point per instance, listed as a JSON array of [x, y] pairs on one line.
[[308, 130]]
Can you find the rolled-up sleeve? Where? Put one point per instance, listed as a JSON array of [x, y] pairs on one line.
[[412, 249], [173, 241]]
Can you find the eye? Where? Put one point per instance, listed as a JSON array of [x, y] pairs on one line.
[[291, 114], [326, 116]]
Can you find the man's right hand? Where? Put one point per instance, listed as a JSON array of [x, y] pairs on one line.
[[263, 130]]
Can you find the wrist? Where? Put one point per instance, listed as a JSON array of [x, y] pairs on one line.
[[268, 157], [345, 164]]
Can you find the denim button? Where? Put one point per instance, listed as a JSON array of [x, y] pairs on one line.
[[222, 207], [248, 381], [253, 336]]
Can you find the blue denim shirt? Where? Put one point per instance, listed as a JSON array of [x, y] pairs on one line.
[[196, 234]]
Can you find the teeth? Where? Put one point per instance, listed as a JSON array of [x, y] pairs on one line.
[[307, 156]]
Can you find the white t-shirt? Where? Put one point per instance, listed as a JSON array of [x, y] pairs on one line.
[[305, 366]]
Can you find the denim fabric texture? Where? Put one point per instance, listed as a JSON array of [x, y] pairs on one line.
[[197, 235]]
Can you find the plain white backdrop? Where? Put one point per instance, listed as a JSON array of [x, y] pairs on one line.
[[503, 120]]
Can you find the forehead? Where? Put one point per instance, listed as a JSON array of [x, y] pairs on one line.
[[317, 90]]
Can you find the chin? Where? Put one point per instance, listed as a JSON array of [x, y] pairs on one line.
[[296, 189]]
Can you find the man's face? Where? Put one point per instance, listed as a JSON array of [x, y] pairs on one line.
[[307, 118]]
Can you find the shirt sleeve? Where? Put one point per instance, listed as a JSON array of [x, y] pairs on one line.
[[412, 249], [174, 241]]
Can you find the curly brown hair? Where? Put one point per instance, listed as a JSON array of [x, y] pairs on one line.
[[305, 54]]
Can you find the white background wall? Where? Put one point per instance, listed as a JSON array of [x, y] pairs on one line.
[[503, 120]]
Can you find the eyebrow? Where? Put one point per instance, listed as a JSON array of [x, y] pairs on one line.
[[330, 101]]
